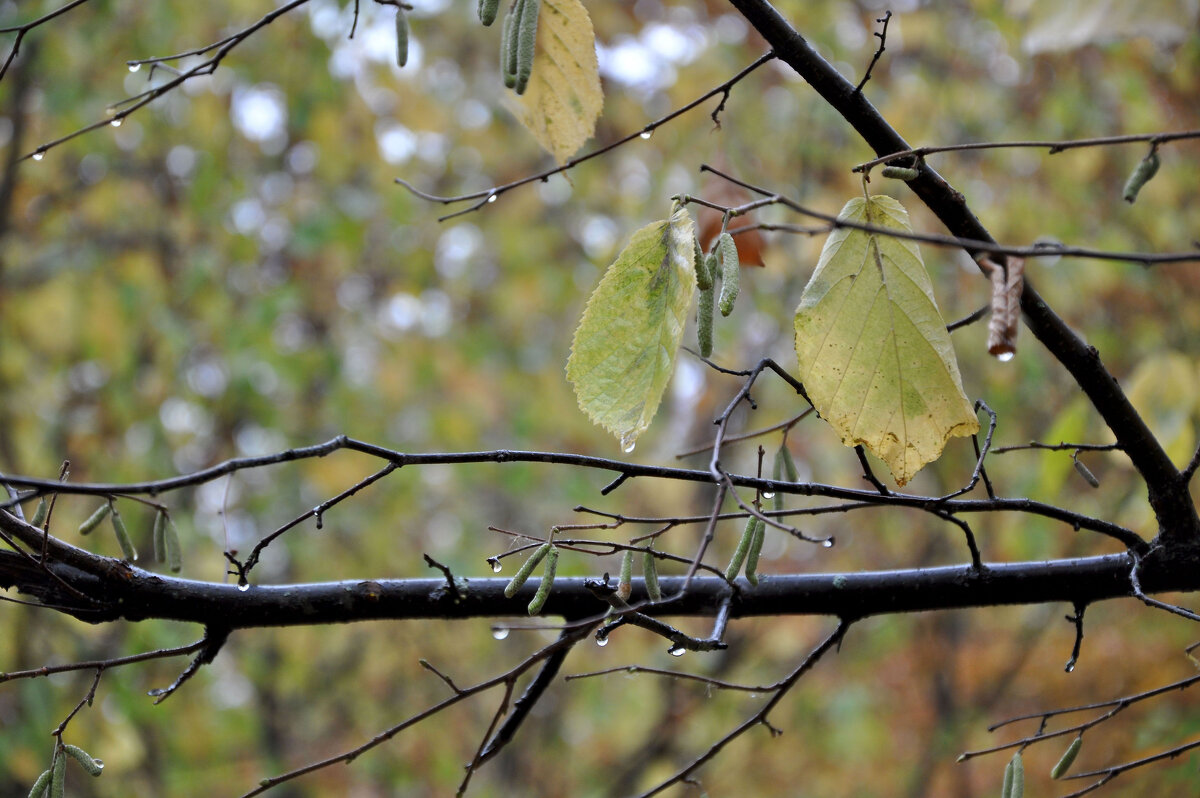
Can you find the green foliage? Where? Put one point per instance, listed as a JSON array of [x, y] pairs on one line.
[[127, 276]]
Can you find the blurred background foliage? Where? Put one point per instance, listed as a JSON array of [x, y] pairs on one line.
[[232, 271]]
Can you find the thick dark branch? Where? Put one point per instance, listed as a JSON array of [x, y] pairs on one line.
[[1173, 508], [133, 594]]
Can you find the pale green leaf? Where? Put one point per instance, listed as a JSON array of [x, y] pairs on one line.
[[625, 346], [874, 353], [563, 99]]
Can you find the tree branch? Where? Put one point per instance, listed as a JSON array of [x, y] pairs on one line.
[[1168, 496]]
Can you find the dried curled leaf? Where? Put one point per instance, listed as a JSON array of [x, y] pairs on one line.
[[873, 349], [625, 346]]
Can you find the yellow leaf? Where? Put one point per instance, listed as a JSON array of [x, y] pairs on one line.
[[625, 346], [563, 100], [874, 353]]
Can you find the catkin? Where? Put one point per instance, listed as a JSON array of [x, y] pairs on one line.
[[526, 33], [488, 10], [522, 574], [1146, 169], [401, 36], [730, 269], [543, 591]]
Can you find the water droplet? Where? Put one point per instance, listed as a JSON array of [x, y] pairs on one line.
[[602, 641], [499, 632], [39, 155], [320, 518], [243, 586], [827, 543], [496, 566], [768, 494], [1071, 666], [491, 198], [676, 650], [99, 765], [134, 67], [646, 134], [1004, 357], [628, 441], [117, 122]]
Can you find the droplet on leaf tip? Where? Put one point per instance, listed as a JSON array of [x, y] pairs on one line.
[[646, 134], [496, 566], [1004, 357], [628, 442], [602, 641], [134, 67], [827, 543]]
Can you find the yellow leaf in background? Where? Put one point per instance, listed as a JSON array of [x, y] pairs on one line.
[[625, 346], [1163, 388], [874, 353], [563, 100]]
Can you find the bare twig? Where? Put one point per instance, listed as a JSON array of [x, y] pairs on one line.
[[882, 36], [780, 689], [1053, 146], [485, 196]]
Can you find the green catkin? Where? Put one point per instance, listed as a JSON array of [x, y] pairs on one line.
[[1087, 474], [508, 43], [789, 465], [739, 554], [1146, 169], [526, 42], [93, 766], [777, 475], [625, 583], [704, 274], [1068, 758], [729, 273], [704, 321], [401, 36], [93, 520], [900, 172], [1014, 778], [543, 591], [488, 10], [39, 787], [160, 537], [650, 572], [756, 544], [58, 777], [522, 575], [174, 553], [39, 515], [118, 525]]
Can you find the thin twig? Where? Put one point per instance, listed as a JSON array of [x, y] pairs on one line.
[[970, 244], [1053, 146], [489, 194], [760, 717], [882, 36]]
